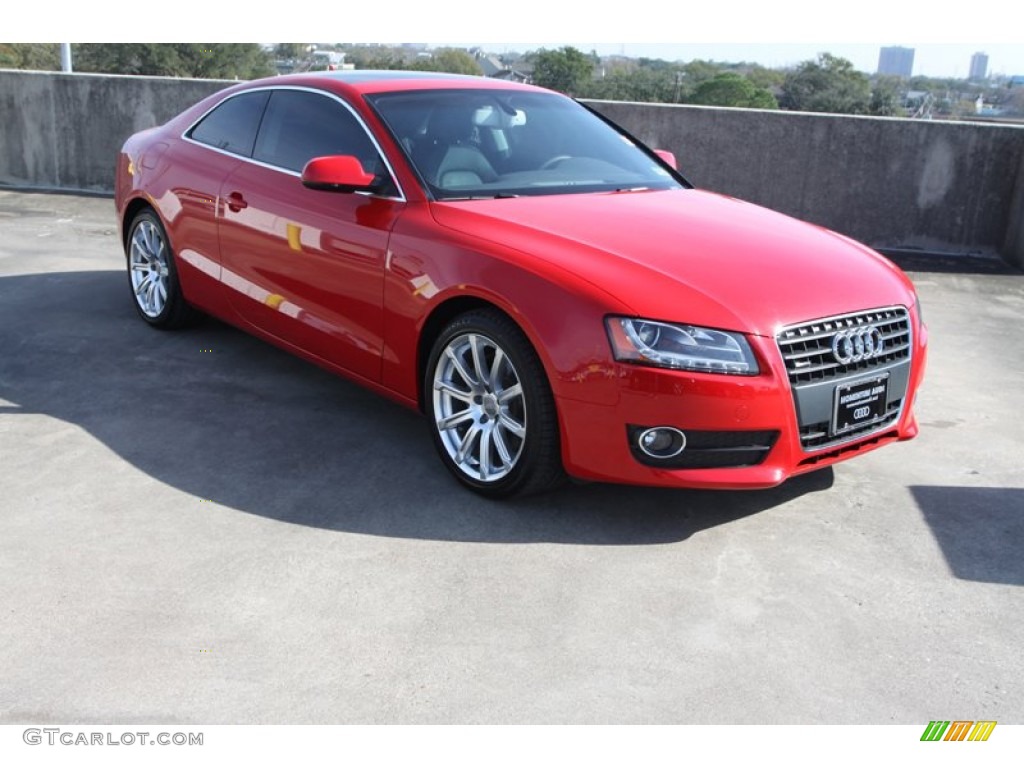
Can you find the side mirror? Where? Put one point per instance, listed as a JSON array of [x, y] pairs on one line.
[[337, 173], [668, 158]]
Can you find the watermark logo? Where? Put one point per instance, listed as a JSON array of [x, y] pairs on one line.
[[53, 736], [958, 730]]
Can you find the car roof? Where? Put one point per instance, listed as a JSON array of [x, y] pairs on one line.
[[365, 81]]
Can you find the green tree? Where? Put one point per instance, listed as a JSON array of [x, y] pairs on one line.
[[728, 89], [886, 96], [453, 60], [698, 71], [935, 84], [828, 84], [43, 56], [126, 58], [655, 64], [362, 59], [766, 78], [639, 84], [567, 69], [287, 51], [242, 61]]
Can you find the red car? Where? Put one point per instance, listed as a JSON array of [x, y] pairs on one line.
[[551, 293]]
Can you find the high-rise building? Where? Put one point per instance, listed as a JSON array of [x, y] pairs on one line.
[[979, 66], [896, 60]]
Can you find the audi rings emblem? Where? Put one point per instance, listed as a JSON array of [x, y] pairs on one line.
[[857, 344]]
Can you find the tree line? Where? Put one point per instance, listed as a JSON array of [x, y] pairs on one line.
[[229, 61], [825, 84]]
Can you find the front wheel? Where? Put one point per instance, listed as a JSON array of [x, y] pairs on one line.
[[490, 407]]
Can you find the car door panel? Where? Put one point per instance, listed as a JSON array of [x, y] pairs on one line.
[[307, 265]]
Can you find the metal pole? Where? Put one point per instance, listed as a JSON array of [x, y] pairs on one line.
[[65, 57]]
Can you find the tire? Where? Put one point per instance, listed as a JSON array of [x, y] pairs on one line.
[[492, 415], [152, 276]]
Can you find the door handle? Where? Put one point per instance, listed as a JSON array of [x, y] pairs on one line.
[[236, 202]]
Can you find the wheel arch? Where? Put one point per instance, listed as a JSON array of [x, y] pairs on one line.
[[449, 309], [436, 322], [131, 210]]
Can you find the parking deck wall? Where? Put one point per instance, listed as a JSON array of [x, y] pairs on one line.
[[934, 186]]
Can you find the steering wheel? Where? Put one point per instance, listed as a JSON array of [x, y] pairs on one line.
[[547, 166]]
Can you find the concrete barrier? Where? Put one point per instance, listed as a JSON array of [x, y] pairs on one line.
[[62, 131], [940, 187], [1013, 245]]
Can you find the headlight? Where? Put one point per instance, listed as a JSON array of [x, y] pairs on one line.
[[686, 347]]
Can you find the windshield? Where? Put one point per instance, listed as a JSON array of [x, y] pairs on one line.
[[479, 143]]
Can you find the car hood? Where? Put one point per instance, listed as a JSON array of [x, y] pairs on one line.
[[690, 256]]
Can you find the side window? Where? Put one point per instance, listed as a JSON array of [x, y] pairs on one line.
[[300, 125], [232, 126]]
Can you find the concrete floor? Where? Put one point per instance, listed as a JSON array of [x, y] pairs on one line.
[[198, 528]]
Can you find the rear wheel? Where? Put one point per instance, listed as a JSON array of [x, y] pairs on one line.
[[156, 292], [491, 410]]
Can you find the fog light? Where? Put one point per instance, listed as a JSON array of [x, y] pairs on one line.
[[662, 442]]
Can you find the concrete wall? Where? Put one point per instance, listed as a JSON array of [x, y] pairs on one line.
[[1013, 245], [935, 186], [64, 131]]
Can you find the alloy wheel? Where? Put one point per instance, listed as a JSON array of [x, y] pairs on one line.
[[148, 263], [479, 407]]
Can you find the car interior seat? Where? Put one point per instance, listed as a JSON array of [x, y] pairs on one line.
[[449, 158]]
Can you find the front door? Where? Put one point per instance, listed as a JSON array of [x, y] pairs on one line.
[[307, 266]]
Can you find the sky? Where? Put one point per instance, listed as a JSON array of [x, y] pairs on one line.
[[776, 33]]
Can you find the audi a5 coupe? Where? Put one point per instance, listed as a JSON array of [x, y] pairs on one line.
[[553, 295]]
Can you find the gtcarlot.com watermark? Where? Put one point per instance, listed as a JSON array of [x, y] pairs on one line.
[[54, 736]]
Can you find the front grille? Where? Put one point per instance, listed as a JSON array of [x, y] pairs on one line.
[[807, 348], [707, 449], [820, 364]]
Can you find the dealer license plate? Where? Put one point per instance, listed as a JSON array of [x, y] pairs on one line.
[[859, 404]]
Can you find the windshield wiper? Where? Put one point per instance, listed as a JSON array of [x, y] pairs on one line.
[[495, 196]]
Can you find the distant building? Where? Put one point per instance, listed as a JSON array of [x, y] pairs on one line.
[[493, 66], [895, 60], [979, 66]]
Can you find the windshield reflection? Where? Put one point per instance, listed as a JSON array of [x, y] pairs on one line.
[[473, 143]]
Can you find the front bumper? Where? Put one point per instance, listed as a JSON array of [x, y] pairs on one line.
[[595, 435]]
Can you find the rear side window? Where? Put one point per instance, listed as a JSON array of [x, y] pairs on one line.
[[232, 126], [300, 125]]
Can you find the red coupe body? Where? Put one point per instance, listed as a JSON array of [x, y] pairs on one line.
[[364, 282]]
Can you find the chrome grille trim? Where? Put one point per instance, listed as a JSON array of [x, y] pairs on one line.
[[806, 348]]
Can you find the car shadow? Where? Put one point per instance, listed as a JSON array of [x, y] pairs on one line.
[[226, 418], [980, 530]]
